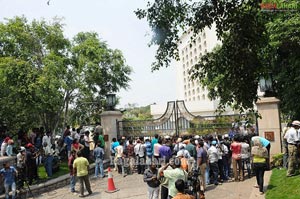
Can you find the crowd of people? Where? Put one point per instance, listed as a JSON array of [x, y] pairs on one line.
[[217, 158], [165, 162]]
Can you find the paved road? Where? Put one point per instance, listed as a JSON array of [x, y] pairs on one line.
[[133, 187]]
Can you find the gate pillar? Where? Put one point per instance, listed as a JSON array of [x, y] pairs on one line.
[[269, 125], [109, 123]]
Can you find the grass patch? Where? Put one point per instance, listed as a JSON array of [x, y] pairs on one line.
[[281, 186], [63, 169]]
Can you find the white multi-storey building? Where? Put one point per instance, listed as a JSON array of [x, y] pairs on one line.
[[192, 92]]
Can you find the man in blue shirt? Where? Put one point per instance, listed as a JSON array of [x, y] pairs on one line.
[[99, 156], [8, 173]]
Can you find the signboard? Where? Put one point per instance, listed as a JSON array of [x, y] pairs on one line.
[[269, 135]]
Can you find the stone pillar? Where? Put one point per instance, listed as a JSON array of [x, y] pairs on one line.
[[269, 125], [109, 123]]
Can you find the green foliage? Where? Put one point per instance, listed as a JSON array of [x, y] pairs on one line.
[[277, 160], [137, 113], [254, 43], [63, 169], [43, 74], [281, 186]]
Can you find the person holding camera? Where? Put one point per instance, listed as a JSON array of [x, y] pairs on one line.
[[173, 175], [21, 167]]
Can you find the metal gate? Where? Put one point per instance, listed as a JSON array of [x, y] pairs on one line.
[[177, 120]]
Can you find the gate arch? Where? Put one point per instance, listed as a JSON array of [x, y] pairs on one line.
[[177, 120]]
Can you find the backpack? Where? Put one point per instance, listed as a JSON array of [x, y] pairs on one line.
[[101, 140]]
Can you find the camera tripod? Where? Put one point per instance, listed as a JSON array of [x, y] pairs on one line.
[[24, 185]]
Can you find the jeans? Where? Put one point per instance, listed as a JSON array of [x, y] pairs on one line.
[[207, 175], [259, 169], [13, 189], [99, 166], [48, 165], [248, 166], [73, 183], [153, 192]]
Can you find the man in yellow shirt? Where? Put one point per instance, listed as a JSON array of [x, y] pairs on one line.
[[81, 168]]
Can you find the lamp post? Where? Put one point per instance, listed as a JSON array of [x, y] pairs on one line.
[[266, 85], [110, 101]]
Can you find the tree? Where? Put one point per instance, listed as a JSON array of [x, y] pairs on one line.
[[254, 43], [43, 74]]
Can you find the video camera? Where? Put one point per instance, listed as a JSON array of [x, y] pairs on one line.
[[193, 183]]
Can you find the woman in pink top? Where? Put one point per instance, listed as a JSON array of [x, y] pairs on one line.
[[235, 147]]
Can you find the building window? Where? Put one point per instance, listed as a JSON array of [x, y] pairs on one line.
[[191, 61], [182, 52], [191, 54], [204, 35], [183, 73], [198, 98], [183, 66], [200, 54], [196, 58], [193, 92], [198, 90], [205, 51], [184, 80], [203, 97], [193, 98], [199, 39], [184, 94], [205, 45], [189, 93], [187, 64], [183, 59], [189, 85], [187, 57], [195, 51], [184, 87], [189, 99], [200, 47]]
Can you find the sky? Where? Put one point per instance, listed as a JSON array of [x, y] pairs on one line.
[[115, 23]]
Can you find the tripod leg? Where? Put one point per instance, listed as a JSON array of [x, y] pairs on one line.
[[29, 190]]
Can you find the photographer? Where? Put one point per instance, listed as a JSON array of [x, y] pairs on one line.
[[21, 167], [173, 175]]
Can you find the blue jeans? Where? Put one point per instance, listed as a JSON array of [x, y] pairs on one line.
[[72, 183], [13, 189], [207, 175], [48, 165], [99, 166]]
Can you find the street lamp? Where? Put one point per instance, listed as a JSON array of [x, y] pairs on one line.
[[266, 85], [110, 101]]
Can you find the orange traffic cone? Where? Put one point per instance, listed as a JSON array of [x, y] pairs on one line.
[[110, 183]]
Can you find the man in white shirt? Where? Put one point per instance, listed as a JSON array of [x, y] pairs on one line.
[[213, 158], [139, 151], [292, 137], [119, 155]]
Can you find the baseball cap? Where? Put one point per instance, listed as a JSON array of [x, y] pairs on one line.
[[29, 145], [214, 142]]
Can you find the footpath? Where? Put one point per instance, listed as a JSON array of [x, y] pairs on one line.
[[133, 187]]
